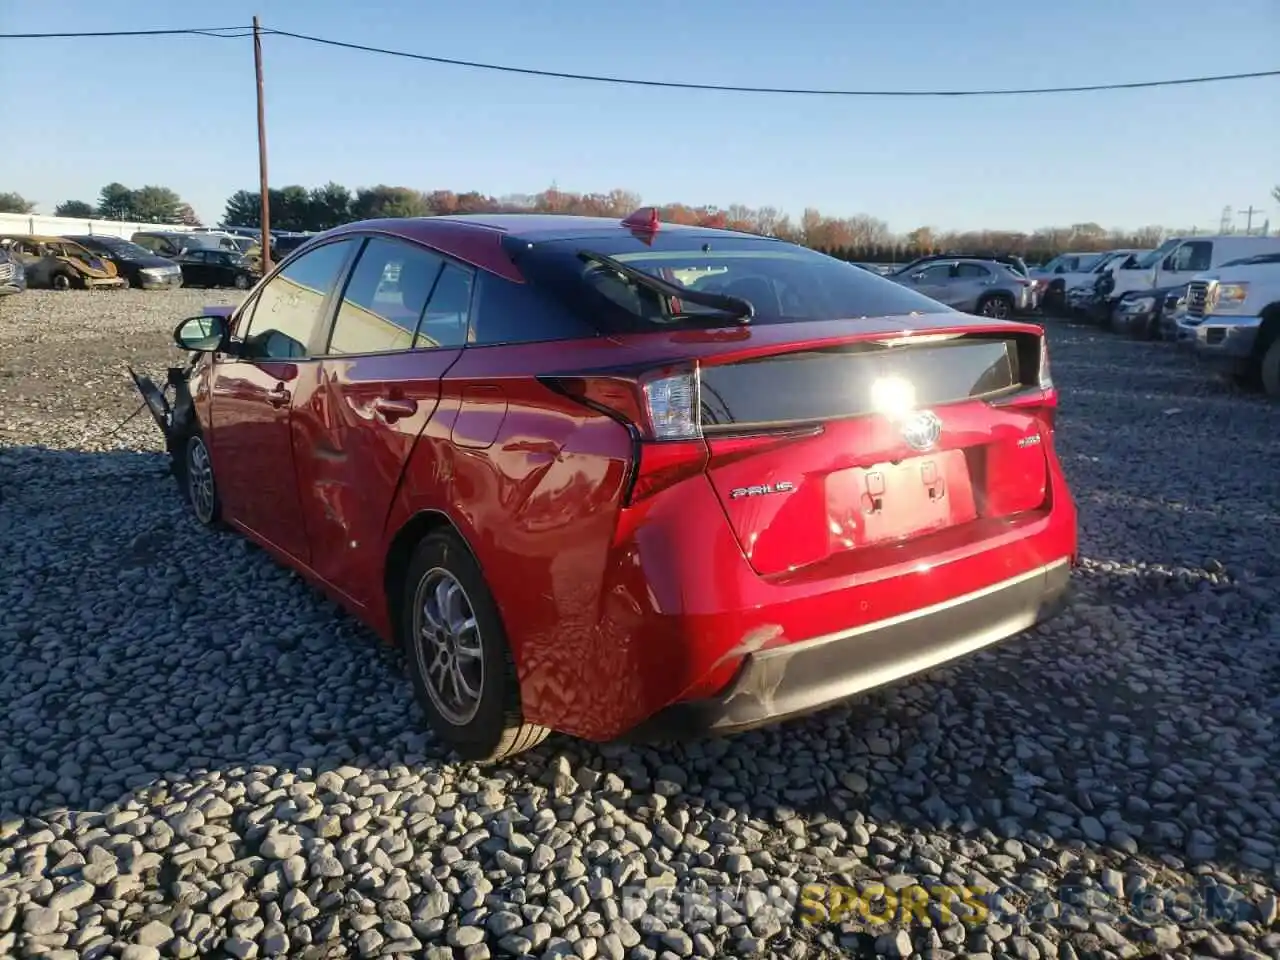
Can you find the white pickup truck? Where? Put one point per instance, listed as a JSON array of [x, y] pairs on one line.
[[1232, 319], [1176, 261]]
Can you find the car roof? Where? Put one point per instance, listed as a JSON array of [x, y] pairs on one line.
[[477, 238], [521, 226]]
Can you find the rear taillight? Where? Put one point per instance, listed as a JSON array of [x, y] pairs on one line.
[[672, 405], [1040, 397], [661, 409]]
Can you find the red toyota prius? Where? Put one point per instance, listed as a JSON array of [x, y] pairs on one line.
[[625, 478]]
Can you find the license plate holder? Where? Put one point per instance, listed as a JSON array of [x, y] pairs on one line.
[[887, 502]]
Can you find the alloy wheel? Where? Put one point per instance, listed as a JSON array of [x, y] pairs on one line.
[[995, 308], [200, 480], [448, 646]]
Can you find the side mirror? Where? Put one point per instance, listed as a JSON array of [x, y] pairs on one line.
[[201, 334]]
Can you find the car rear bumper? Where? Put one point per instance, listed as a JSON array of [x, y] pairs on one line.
[[105, 283], [799, 678]]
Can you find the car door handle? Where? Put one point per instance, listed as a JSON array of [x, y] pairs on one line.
[[393, 409], [278, 397]]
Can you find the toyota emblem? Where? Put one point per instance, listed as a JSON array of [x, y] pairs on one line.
[[921, 431]]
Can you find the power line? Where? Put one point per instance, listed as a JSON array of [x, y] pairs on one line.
[[229, 33], [676, 85], [221, 33]]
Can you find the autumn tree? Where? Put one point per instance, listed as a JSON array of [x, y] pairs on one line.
[[16, 203], [857, 237], [74, 208]]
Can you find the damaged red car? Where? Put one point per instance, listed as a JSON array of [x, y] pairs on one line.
[[625, 478]]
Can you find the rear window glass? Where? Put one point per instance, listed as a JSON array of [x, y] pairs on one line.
[[507, 312], [783, 282]]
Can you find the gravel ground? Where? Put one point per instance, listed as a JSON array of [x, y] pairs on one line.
[[200, 756]]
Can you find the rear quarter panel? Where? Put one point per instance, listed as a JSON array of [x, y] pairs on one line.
[[538, 507]]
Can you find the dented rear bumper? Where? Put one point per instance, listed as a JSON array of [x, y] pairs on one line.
[[799, 678]]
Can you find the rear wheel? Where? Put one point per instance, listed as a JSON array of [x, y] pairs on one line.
[[459, 661], [60, 281], [998, 306], [241, 282]]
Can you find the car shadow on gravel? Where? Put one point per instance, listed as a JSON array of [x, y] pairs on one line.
[[140, 652]]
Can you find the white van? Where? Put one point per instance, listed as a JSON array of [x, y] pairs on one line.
[[1178, 259]]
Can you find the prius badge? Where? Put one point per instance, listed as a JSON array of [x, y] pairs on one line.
[[922, 430]]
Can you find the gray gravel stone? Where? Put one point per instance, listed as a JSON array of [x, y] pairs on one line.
[[181, 774]]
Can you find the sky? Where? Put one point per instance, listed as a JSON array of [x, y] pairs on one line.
[[180, 111]]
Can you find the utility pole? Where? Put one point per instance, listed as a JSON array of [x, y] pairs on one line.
[[1248, 222], [262, 150]]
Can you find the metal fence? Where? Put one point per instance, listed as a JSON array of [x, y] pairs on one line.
[[38, 225]]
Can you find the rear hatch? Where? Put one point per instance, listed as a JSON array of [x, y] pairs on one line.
[[816, 454]]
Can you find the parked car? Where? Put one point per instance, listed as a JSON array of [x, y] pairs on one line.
[[13, 276], [587, 496], [1141, 315], [171, 243], [1174, 263], [1235, 314], [1074, 271], [284, 244], [1175, 303], [137, 265], [1063, 263], [61, 264], [975, 286], [217, 268], [1013, 262]]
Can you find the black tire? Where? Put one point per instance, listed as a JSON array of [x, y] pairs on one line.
[[1269, 370], [60, 281], [1055, 298], [998, 306], [496, 729], [124, 283], [194, 470], [241, 282]]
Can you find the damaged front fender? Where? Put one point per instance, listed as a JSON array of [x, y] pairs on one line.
[[171, 407]]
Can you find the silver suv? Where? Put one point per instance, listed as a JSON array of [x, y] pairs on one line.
[[984, 287]]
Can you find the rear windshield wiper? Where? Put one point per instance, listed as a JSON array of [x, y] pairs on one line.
[[736, 307]]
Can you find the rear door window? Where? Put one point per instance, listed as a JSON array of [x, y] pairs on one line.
[[506, 312]]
